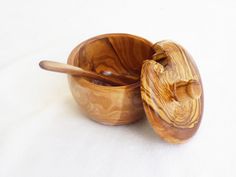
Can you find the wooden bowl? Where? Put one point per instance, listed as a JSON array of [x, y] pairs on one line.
[[116, 55]]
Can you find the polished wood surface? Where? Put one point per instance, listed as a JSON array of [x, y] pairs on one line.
[[116, 55], [77, 71], [172, 93], [185, 90]]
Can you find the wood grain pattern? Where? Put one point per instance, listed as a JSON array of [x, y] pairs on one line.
[[172, 93], [118, 56], [185, 90]]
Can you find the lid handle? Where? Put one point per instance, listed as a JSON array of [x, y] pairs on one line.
[[185, 90]]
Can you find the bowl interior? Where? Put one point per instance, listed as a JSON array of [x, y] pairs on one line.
[[114, 55]]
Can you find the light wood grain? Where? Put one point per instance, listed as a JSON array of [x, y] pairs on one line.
[[172, 93], [185, 90]]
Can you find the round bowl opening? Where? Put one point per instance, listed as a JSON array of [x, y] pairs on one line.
[[113, 55]]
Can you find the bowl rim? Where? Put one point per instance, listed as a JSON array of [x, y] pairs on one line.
[[90, 84]]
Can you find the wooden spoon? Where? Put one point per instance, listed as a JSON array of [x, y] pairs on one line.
[[77, 71]]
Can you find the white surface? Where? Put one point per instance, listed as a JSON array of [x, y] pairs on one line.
[[42, 133]]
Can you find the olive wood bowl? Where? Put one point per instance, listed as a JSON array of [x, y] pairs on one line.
[[114, 55]]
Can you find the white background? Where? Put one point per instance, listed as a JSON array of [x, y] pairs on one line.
[[43, 134]]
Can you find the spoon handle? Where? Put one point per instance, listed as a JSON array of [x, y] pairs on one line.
[[76, 71]]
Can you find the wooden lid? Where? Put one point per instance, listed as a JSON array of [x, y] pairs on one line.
[[172, 92]]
